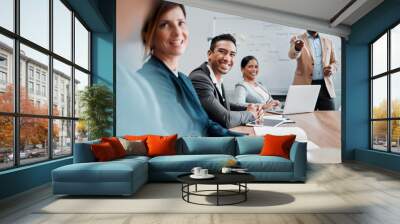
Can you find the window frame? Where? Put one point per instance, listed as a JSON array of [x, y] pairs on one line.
[[389, 73], [16, 114]]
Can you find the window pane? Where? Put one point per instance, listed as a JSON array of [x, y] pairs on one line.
[[379, 97], [6, 142], [62, 138], [395, 138], [81, 131], [6, 74], [35, 21], [81, 45], [395, 94], [33, 139], [34, 72], [7, 14], [62, 29], [81, 81], [395, 47], [62, 89], [379, 55], [379, 135]]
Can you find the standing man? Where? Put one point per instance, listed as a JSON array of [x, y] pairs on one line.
[[207, 80], [316, 64]]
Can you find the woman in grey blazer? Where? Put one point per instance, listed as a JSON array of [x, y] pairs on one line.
[[251, 91]]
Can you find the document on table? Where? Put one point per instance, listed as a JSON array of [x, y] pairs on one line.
[[300, 133]]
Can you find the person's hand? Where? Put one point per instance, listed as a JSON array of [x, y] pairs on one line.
[[271, 105], [256, 110], [327, 70], [252, 108], [260, 112], [298, 45], [275, 103]]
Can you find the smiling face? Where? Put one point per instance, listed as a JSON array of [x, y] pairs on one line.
[[171, 34], [222, 58], [250, 71]]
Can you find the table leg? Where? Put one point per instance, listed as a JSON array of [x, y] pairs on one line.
[[245, 191], [217, 194], [196, 188]]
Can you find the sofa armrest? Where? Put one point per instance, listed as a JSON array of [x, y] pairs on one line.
[[298, 155], [83, 152]]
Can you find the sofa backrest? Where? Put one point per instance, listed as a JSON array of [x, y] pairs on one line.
[[249, 145], [206, 145], [83, 152]]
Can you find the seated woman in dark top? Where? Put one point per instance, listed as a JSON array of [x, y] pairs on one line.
[[165, 38]]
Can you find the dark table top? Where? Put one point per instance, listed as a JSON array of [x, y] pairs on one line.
[[220, 178]]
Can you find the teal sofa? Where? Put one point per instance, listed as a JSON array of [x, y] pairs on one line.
[[125, 176]]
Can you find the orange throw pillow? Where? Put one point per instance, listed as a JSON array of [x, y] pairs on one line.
[[103, 152], [277, 145], [136, 137], [116, 145], [161, 145]]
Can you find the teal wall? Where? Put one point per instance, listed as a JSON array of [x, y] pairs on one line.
[[99, 15], [102, 58], [356, 102]]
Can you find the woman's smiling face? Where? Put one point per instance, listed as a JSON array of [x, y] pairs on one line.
[[250, 71], [171, 35]]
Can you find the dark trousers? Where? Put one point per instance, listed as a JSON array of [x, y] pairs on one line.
[[324, 101]]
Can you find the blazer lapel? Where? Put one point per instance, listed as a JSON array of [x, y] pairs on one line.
[[323, 46], [217, 94]]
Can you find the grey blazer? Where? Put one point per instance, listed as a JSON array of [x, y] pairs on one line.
[[222, 111], [245, 94]]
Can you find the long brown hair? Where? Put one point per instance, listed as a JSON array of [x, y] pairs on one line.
[[150, 26]]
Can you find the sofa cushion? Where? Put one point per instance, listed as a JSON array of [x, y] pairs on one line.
[[277, 145], [103, 152], [249, 145], [135, 147], [257, 163], [111, 171], [116, 145], [185, 163], [206, 145], [161, 145]]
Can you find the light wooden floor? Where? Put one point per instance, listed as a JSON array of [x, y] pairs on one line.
[[379, 189]]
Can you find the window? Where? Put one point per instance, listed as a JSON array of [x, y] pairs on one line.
[[44, 91], [6, 74], [37, 89], [385, 92], [3, 78], [30, 87], [62, 31], [44, 131], [30, 72], [81, 45], [3, 61], [35, 21], [37, 75], [7, 14]]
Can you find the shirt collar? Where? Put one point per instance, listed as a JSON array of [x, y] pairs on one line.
[[309, 36], [212, 75]]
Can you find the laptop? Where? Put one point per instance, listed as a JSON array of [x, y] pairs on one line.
[[300, 99]]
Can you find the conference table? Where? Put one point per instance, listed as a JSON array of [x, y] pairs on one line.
[[321, 127]]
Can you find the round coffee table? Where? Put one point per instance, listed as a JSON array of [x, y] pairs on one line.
[[238, 179]]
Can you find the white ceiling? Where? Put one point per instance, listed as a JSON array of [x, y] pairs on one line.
[[307, 14], [320, 9]]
